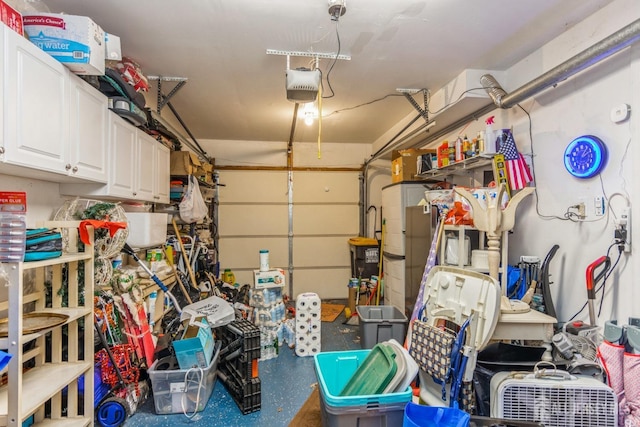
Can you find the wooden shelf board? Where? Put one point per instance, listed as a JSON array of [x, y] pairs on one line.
[[73, 313], [41, 383], [80, 256], [65, 422]]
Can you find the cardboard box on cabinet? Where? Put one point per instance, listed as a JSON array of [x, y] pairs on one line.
[[75, 41], [404, 163], [185, 163]]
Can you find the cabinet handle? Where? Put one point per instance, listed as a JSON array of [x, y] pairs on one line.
[[67, 166], [156, 197], [135, 194], [75, 169]]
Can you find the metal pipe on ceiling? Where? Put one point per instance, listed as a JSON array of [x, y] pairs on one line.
[[608, 46]]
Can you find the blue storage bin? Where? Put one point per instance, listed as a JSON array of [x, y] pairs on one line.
[[335, 368], [434, 416]]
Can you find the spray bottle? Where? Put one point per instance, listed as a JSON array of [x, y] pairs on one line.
[[489, 137]]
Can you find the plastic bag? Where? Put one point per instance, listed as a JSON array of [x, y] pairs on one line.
[[192, 207]]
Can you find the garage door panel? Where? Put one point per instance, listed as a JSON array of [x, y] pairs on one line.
[[325, 187], [244, 220], [327, 283], [317, 219], [243, 252], [253, 187], [321, 252]]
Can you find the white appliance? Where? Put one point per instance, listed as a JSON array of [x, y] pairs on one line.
[[405, 249], [554, 398]]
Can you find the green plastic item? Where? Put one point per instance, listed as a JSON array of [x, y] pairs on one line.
[[374, 374]]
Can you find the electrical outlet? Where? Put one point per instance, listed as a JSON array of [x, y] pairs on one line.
[[625, 216], [581, 210], [623, 228], [598, 205]]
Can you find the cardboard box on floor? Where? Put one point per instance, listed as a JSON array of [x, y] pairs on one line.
[[195, 348], [404, 163]]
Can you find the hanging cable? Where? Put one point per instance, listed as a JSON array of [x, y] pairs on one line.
[[333, 63]]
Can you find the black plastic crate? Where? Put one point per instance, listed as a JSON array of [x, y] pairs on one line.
[[245, 369], [240, 370], [239, 337], [247, 394]]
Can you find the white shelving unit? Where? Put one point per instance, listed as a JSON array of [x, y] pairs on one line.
[[462, 167], [462, 231], [51, 286]]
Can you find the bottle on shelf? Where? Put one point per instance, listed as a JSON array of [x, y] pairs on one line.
[[459, 156], [452, 152], [228, 276], [489, 137]]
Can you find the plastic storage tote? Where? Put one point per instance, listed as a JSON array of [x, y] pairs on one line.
[[433, 416], [182, 390], [334, 370], [379, 323]]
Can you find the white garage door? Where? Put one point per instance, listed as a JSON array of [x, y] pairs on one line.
[[307, 237]]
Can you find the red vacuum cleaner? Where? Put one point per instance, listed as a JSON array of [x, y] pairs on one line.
[[579, 326]]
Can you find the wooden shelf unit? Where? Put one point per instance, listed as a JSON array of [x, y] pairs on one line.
[[53, 371]]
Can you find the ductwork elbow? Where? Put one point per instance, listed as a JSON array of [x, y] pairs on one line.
[[493, 88]]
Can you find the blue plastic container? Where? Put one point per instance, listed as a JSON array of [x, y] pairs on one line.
[[335, 368], [433, 416]]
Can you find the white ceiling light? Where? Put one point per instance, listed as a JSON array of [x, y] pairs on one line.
[[309, 113]]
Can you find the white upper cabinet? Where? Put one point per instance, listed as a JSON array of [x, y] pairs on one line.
[[163, 160], [54, 122], [88, 131], [36, 98], [122, 160], [57, 127], [138, 167], [146, 166]]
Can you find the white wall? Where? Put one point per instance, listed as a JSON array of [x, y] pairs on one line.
[[579, 106], [43, 198]]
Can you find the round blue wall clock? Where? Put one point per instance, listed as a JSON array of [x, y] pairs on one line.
[[585, 156]]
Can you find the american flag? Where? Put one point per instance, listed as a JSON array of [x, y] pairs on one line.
[[518, 171]]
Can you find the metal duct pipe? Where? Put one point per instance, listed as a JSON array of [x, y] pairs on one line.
[[588, 57]]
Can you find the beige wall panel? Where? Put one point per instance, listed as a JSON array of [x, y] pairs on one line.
[[325, 187], [321, 252], [253, 187], [325, 219], [327, 283], [258, 220], [243, 252]]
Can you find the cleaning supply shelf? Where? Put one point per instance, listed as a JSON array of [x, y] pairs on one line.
[[458, 168]]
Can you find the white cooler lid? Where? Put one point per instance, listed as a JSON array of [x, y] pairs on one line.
[[453, 294]]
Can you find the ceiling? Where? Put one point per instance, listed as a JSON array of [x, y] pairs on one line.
[[235, 91]]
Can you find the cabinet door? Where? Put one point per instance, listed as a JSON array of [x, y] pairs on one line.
[[145, 167], [36, 124], [161, 192], [88, 131], [123, 157]]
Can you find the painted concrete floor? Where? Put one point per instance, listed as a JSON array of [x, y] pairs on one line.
[[286, 384]]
